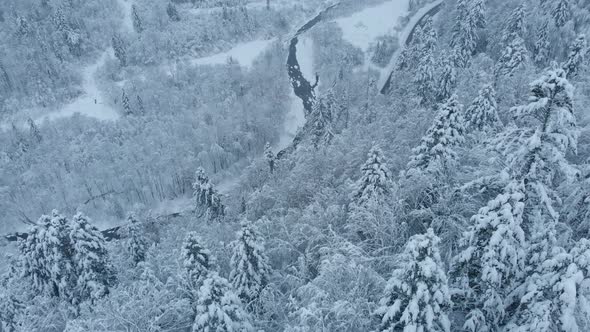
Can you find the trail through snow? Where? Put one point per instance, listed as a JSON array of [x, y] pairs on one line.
[[91, 103]]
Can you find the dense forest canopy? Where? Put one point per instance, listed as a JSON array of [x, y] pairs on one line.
[[282, 165]]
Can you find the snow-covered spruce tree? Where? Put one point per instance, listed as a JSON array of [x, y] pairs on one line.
[[119, 49], [576, 56], [514, 26], [556, 298], [542, 44], [47, 257], [482, 114], [436, 153], [270, 157], [577, 206], [137, 23], [93, 268], [126, 103], [137, 245], [196, 260], [425, 77], [417, 295], [207, 200], [375, 181], [492, 261], [218, 309], [447, 80], [549, 119], [561, 12], [470, 18], [321, 119], [250, 268], [513, 56]]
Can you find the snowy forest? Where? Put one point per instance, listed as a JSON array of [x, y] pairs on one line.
[[295, 165]]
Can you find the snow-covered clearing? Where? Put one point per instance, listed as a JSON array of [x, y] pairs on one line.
[[243, 53], [295, 118], [363, 27], [91, 103]]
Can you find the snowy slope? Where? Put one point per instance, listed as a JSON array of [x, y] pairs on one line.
[[243, 53], [363, 27]]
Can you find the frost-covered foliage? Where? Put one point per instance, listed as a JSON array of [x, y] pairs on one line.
[[482, 114], [67, 259], [270, 157], [470, 18], [196, 259], [137, 244], [436, 152], [425, 78], [218, 308], [250, 267], [417, 295], [375, 181], [492, 261], [576, 56], [207, 200]]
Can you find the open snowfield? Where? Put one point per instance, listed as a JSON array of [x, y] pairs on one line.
[[243, 53]]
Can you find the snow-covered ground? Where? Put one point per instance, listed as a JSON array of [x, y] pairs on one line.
[[91, 103], [243, 53], [295, 118], [127, 21], [363, 27]]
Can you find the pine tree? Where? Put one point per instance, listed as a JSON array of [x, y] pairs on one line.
[[250, 267], [470, 18], [207, 200], [417, 295], [482, 114], [515, 25], [513, 56], [447, 80], [119, 49], [137, 23], [576, 56], [375, 182], [542, 44], [561, 13], [48, 254], [196, 260], [321, 119], [218, 308], [140, 106], [270, 157], [435, 154], [126, 103], [426, 65], [555, 293], [137, 245], [492, 261], [91, 260], [541, 160], [172, 12]]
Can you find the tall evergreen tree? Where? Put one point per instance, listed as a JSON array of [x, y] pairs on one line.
[[137, 22], [561, 12], [270, 157], [417, 295], [250, 267], [207, 200], [492, 261], [196, 260], [95, 273], [126, 103], [375, 182], [218, 308], [470, 18], [321, 119], [425, 79], [515, 25], [576, 56], [172, 12], [119, 49], [542, 44], [513, 56], [447, 80], [137, 245], [436, 153], [482, 114]]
